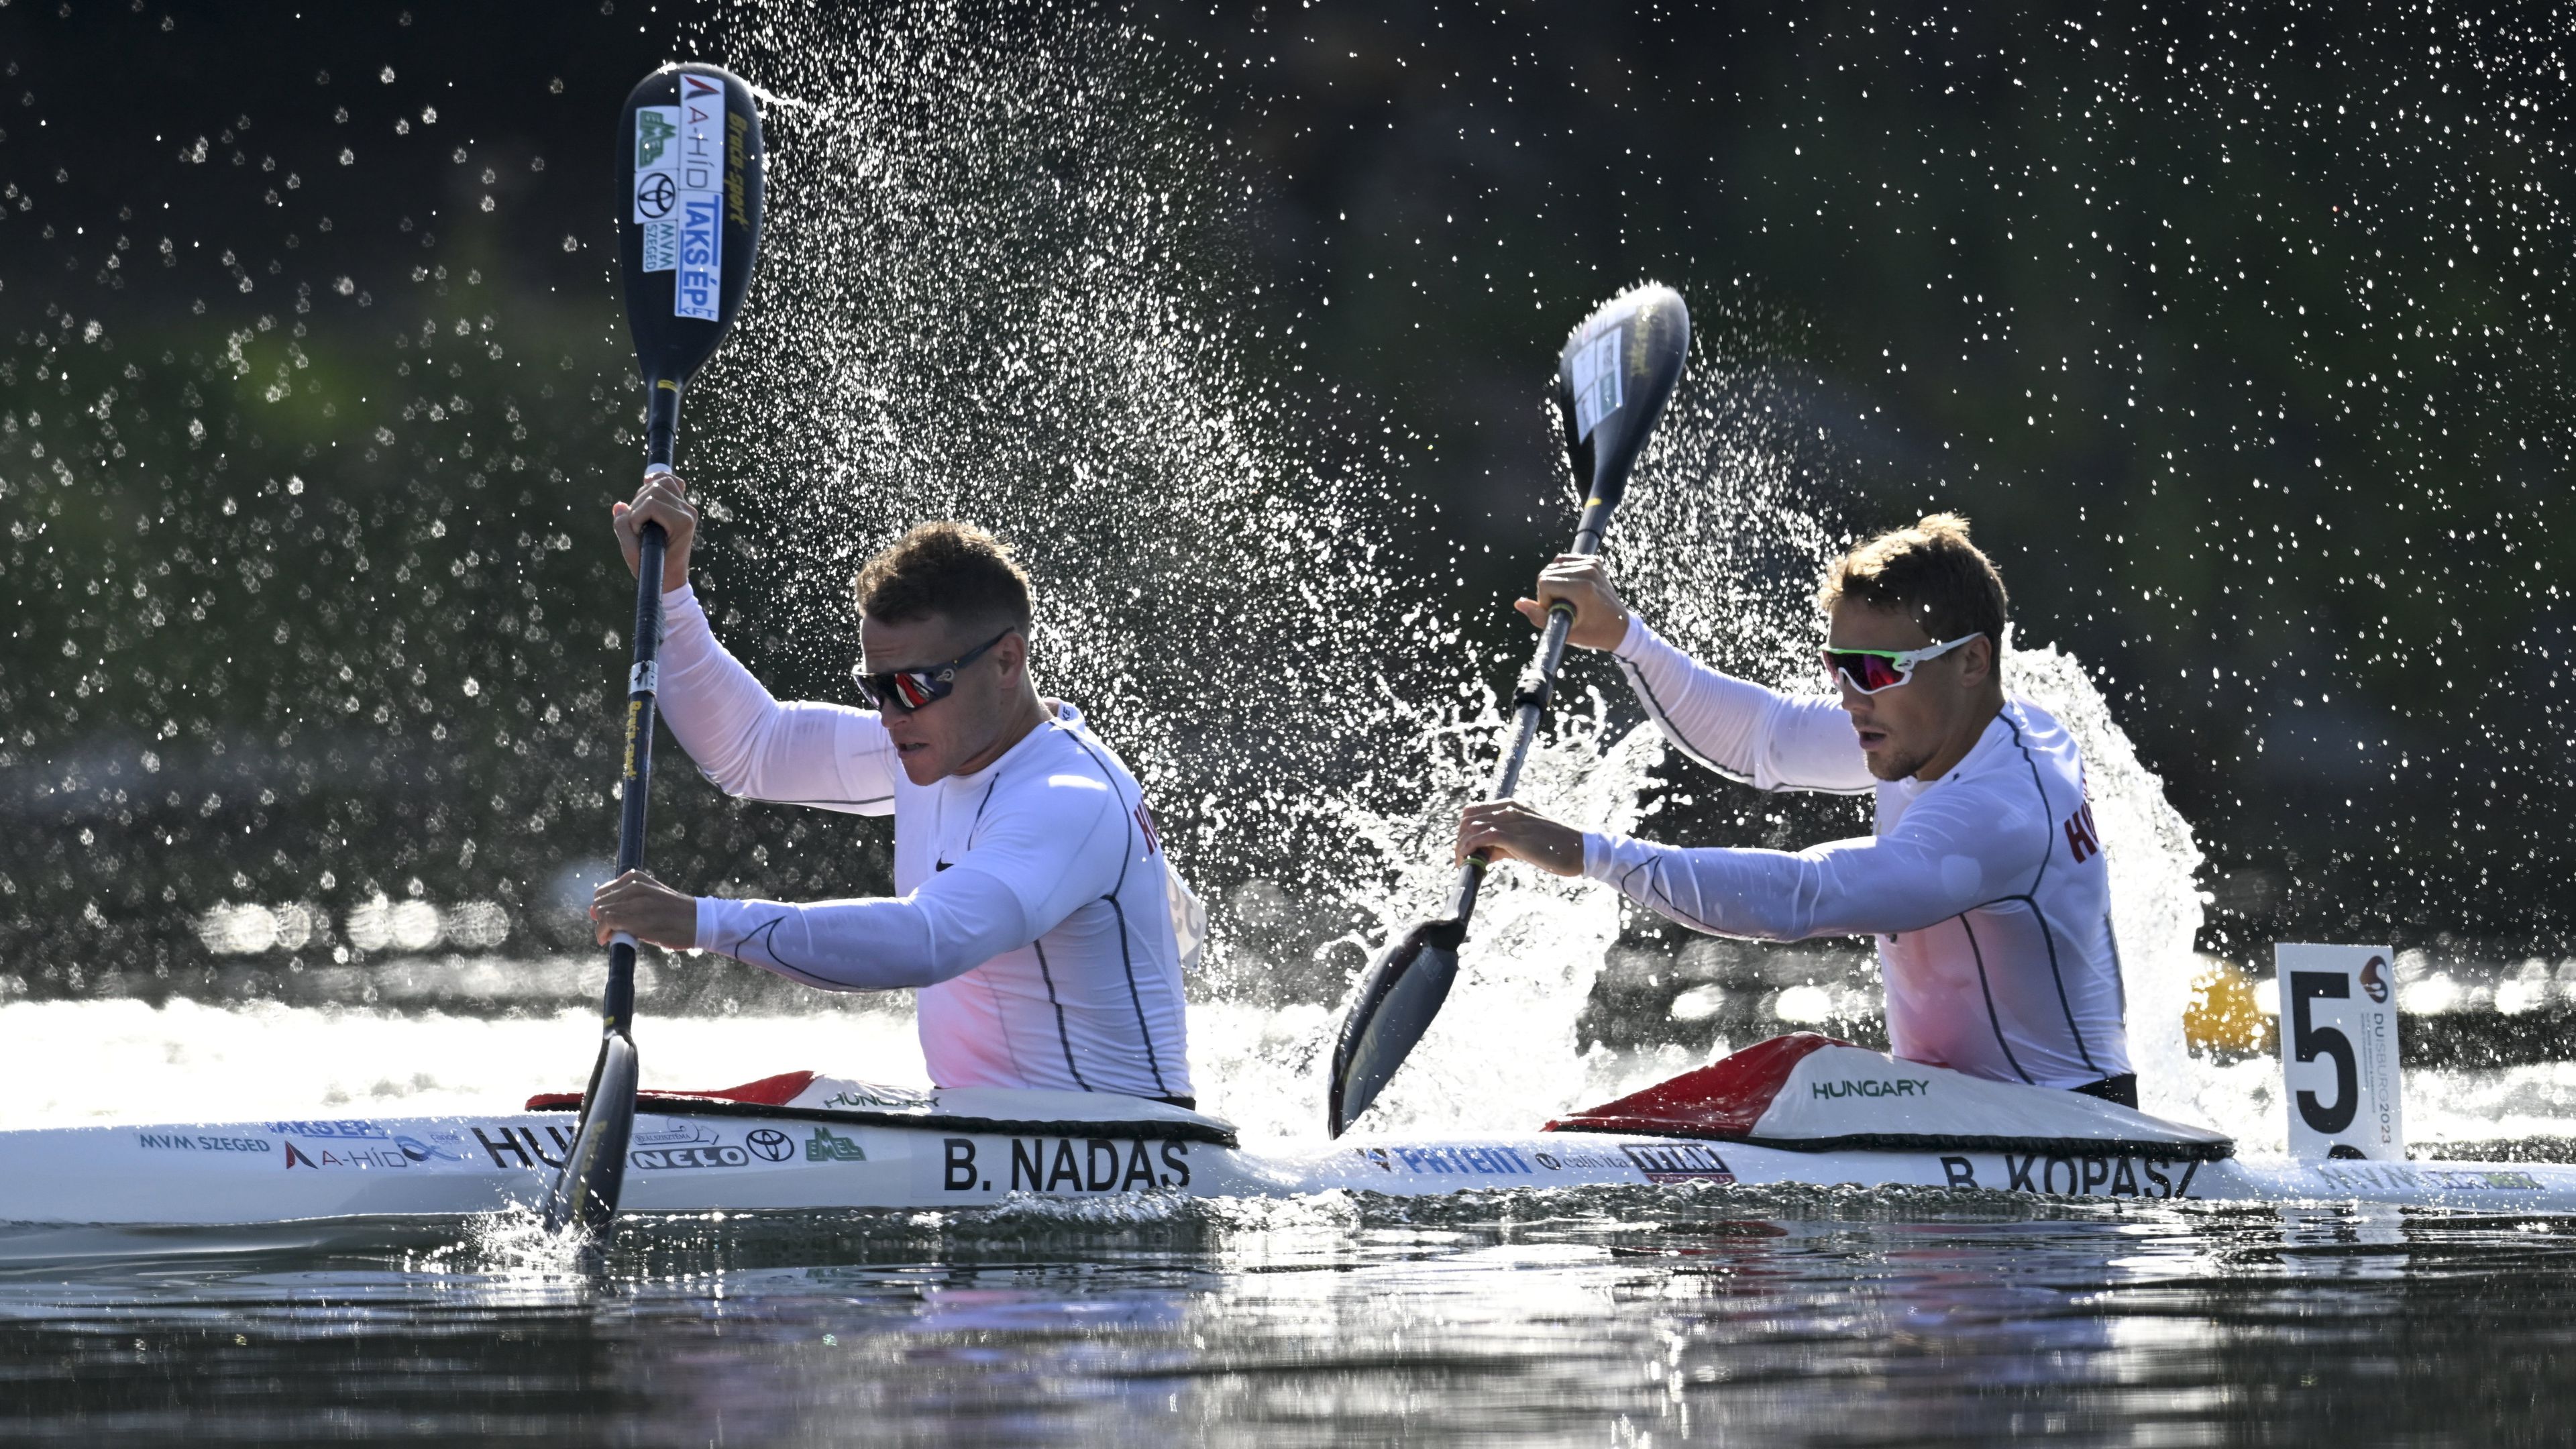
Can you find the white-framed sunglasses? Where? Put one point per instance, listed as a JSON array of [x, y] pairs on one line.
[[1872, 670]]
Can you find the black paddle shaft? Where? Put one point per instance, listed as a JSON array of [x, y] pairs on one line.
[[1529, 703], [643, 680]]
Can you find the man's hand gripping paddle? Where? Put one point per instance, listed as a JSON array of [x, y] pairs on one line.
[[689, 180], [1612, 381]]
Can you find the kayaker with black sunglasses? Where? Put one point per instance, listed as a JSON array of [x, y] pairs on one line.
[[1984, 882], [1036, 914]]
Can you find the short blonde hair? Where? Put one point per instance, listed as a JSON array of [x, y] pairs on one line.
[[1930, 571]]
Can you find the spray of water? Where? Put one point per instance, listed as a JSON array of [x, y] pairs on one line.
[[1003, 281]]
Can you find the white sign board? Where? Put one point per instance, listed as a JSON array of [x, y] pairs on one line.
[[2339, 1051]]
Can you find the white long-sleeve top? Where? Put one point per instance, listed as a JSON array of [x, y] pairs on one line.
[[1032, 913], [1986, 889]]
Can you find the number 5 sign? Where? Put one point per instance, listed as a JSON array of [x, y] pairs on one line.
[[2339, 1051]]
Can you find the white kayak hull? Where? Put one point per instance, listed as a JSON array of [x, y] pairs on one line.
[[307, 1171]]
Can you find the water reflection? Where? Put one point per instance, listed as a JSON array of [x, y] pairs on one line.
[[1723, 1316]]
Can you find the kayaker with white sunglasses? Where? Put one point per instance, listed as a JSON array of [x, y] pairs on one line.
[[1984, 881]]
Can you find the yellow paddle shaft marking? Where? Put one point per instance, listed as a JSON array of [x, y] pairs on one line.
[[634, 712], [667, 383]]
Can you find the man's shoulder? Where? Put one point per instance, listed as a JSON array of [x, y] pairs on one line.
[[2027, 736], [1067, 771]]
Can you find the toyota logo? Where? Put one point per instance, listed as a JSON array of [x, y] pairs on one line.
[[654, 196]]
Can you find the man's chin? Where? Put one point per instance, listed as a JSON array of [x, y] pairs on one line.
[[1889, 765]]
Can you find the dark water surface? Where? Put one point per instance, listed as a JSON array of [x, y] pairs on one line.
[[1720, 1316]]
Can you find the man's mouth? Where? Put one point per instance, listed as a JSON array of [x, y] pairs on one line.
[[1870, 738], [906, 749]]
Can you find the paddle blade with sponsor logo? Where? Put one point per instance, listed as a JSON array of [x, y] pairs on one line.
[[1613, 378], [690, 226]]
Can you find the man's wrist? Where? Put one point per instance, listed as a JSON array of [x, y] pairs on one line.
[[1632, 637]]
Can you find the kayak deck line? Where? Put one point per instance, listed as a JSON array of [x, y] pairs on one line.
[[812, 1097]]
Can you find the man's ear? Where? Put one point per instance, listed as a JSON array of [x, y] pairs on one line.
[[1012, 655], [1977, 661]]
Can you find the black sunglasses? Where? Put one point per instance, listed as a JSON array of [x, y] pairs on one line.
[[905, 690]]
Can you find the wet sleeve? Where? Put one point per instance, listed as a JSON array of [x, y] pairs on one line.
[[958, 920], [754, 747], [1744, 731], [1948, 855]]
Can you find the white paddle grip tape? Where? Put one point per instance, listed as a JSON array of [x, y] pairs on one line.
[[644, 678], [620, 938]]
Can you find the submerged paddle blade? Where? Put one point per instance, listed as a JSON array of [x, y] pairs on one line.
[[585, 1190], [1612, 381], [1398, 998]]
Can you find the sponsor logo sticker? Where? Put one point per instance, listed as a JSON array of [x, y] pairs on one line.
[[769, 1144], [655, 194], [1596, 382], [862, 1094], [343, 1130], [419, 1151], [201, 1142], [701, 255], [1678, 1162], [701, 141], [521, 1147], [675, 1133], [669, 1159], [2381, 1176], [662, 245], [825, 1146], [656, 127]]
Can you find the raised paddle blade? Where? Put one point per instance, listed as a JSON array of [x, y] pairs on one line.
[[1616, 373], [585, 1192], [691, 170], [1398, 998]]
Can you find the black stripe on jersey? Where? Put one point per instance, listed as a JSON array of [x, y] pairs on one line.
[[1063, 1035], [2047, 849], [1126, 949]]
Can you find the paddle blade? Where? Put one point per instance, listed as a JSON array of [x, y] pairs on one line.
[[1612, 381], [1398, 998], [586, 1187], [689, 192]]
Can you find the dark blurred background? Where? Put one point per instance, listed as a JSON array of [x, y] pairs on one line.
[[2233, 332]]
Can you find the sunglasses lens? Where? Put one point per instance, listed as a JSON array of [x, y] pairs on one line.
[[1868, 673], [913, 690]]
